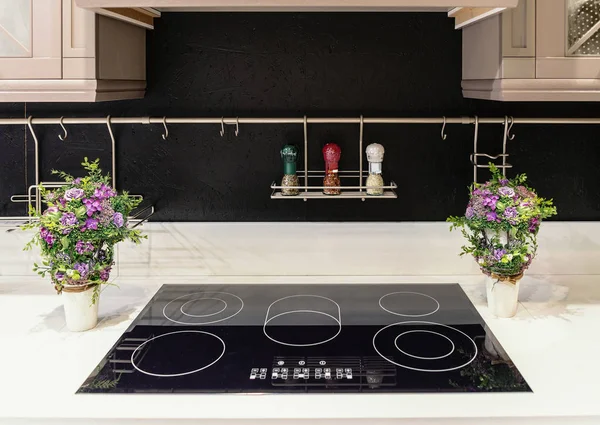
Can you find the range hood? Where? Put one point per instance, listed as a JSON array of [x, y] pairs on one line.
[[471, 6]]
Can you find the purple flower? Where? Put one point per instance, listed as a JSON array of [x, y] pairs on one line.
[[59, 276], [74, 194], [118, 219], [104, 192], [534, 223], [77, 180], [506, 191], [503, 182], [51, 210], [82, 247], [62, 202], [66, 231], [50, 239], [490, 201], [499, 253], [51, 196], [491, 216], [470, 212], [68, 219], [91, 223], [511, 212], [106, 215], [47, 236], [105, 274], [92, 205], [82, 268]]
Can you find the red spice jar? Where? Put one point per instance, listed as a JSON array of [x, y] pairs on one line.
[[331, 155]]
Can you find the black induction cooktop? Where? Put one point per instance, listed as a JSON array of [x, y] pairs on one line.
[[306, 339]]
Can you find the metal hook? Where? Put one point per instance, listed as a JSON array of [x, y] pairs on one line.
[[222, 132], [237, 126], [38, 198], [114, 153], [60, 136], [510, 136], [166, 134], [474, 156], [443, 132]]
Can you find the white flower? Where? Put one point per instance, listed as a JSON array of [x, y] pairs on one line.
[[509, 257]]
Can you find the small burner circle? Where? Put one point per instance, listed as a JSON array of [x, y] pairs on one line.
[[171, 375], [174, 309], [202, 299], [435, 305], [421, 357]]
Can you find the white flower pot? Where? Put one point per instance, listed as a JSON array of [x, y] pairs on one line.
[[502, 297], [80, 313]]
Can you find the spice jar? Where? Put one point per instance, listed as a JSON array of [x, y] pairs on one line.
[[331, 155], [375, 157], [289, 155]]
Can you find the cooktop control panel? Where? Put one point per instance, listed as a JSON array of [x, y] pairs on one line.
[[327, 372]]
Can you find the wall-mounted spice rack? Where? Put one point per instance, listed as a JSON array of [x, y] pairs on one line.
[[347, 192], [357, 191]]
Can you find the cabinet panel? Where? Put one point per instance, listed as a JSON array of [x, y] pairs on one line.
[[15, 28], [518, 30], [79, 31], [32, 39]]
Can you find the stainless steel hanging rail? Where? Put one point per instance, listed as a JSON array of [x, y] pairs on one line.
[[235, 120]]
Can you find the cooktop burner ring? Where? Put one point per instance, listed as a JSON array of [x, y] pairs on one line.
[[452, 348], [172, 375], [334, 306], [171, 309], [203, 315], [437, 304], [431, 369]]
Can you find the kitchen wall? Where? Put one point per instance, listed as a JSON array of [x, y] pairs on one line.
[[375, 64]]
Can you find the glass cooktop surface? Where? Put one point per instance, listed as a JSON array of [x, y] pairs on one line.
[[306, 339]]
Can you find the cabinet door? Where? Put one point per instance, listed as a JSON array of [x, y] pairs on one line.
[[79, 41], [30, 39], [567, 39]]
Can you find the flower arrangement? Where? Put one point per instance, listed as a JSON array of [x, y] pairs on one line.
[[76, 234], [501, 224]]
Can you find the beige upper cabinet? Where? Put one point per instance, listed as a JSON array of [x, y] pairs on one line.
[[544, 50], [297, 5], [30, 39], [55, 51]]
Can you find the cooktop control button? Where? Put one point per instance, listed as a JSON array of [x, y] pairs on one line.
[[318, 373], [301, 362], [297, 372], [280, 362], [339, 373], [253, 373], [348, 372], [322, 362], [305, 373], [327, 373], [263, 373]]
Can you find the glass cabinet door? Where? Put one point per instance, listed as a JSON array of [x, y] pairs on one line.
[[583, 27]]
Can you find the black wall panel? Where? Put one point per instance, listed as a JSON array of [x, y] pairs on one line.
[[272, 64]]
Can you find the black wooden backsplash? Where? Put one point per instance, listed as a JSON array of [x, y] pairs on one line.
[[319, 64]]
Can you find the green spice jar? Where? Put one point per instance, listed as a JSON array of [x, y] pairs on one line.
[[289, 155]]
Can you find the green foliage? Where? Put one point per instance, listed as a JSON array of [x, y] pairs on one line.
[[77, 232], [501, 224]]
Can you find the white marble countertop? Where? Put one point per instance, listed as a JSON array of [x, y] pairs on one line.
[[553, 340]]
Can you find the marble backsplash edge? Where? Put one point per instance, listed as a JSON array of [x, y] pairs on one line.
[[316, 249]]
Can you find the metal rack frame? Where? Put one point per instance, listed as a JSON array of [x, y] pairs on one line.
[[508, 122]]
